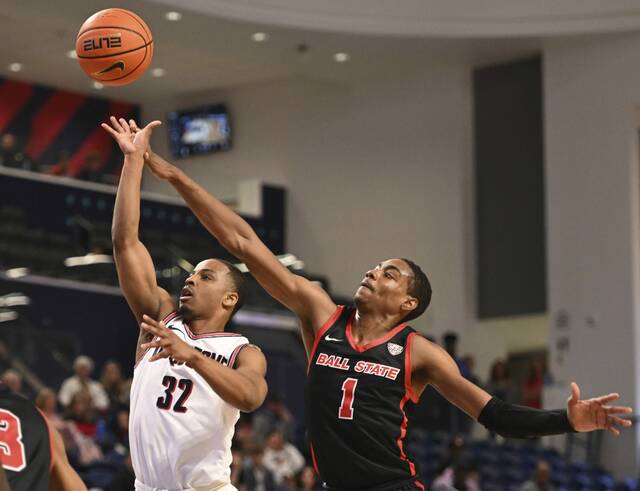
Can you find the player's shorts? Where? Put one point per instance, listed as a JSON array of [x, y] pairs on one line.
[[413, 484], [214, 487]]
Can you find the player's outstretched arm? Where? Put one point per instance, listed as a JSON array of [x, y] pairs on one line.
[[63, 477], [243, 385], [4, 484], [433, 365], [134, 264], [310, 302]]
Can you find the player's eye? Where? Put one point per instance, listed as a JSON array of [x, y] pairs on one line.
[[389, 275]]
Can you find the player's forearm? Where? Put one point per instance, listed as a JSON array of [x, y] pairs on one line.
[[233, 387], [224, 224], [513, 421], [126, 213]]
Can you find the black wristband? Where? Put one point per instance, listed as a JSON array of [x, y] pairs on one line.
[[510, 420]]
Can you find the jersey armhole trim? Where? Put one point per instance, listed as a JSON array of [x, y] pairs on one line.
[[49, 432], [169, 316], [236, 352], [321, 332], [408, 387]]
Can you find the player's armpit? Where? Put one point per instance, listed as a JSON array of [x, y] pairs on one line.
[[432, 365], [63, 477]]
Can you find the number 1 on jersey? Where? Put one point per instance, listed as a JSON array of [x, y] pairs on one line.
[[348, 393]]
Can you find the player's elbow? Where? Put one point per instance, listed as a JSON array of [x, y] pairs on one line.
[[252, 399]]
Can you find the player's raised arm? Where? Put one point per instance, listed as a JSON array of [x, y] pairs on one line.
[[134, 264], [310, 302], [433, 365]]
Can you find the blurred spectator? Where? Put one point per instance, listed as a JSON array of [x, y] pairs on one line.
[[282, 458], [532, 389], [456, 421], [80, 429], [463, 476], [92, 168], [83, 366], [500, 384], [237, 466], [456, 449], [450, 344], [13, 380], [114, 435], [541, 480], [12, 156], [114, 384], [469, 362], [308, 480], [61, 168], [124, 480], [256, 476], [243, 438], [274, 415], [81, 413], [47, 403]]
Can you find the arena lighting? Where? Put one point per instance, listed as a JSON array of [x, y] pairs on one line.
[[8, 316], [158, 72], [88, 260], [287, 260], [14, 300], [15, 67], [72, 54], [341, 57], [98, 86], [16, 272], [173, 16], [259, 37]]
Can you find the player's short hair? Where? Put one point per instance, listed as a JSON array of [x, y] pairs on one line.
[[420, 289], [238, 283]]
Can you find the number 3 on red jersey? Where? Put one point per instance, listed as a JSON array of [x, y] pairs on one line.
[[12, 452], [348, 393]]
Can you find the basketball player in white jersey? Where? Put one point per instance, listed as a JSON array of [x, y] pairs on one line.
[[191, 378]]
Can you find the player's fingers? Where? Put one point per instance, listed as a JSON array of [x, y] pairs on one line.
[[612, 429], [125, 125], [605, 399], [153, 124], [151, 321], [154, 330], [160, 355], [618, 409], [111, 131], [133, 125], [116, 124], [626, 423]]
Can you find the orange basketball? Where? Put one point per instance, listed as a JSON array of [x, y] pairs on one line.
[[114, 47]]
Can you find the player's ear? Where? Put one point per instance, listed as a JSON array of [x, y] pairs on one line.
[[230, 300], [409, 304]]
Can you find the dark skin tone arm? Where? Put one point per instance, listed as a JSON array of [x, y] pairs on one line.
[[4, 484], [310, 302], [432, 365], [136, 272], [63, 476], [243, 386]]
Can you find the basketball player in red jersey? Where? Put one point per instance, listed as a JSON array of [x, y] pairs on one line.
[[367, 366], [191, 377], [32, 454]]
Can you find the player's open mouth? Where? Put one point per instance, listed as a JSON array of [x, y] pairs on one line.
[[185, 294], [366, 285]]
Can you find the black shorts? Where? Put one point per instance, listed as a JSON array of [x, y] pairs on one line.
[[413, 484]]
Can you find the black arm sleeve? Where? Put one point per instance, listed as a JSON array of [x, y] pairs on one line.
[[512, 421]]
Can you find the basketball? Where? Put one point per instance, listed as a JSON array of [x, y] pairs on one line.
[[114, 46]]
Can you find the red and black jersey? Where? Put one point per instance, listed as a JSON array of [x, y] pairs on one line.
[[357, 404], [25, 443]]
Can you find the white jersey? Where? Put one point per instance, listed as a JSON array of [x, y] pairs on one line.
[[180, 429]]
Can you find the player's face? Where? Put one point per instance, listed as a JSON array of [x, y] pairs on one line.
[[206, 289], [385, 286]]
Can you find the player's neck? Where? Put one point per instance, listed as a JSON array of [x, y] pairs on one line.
[[368, 326], [214, 323]]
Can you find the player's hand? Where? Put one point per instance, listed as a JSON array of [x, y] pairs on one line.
[[135, 129], [129, 141], [171, 344], [596, 414]]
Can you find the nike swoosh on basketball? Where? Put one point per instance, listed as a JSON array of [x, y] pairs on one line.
[[329, 338], [117, 64]]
